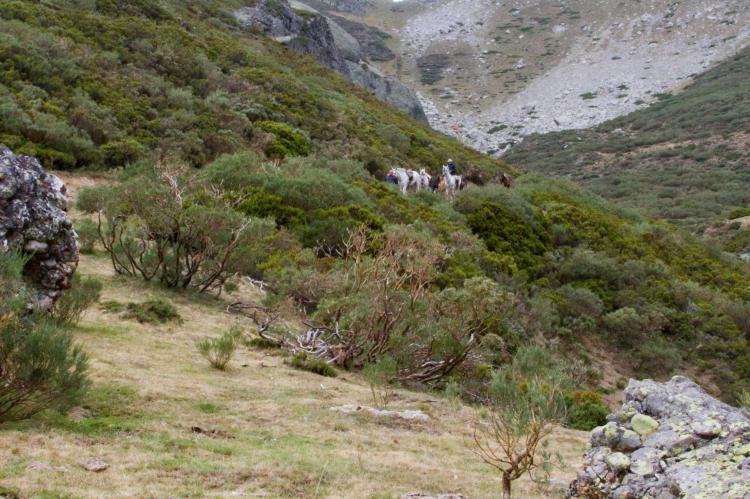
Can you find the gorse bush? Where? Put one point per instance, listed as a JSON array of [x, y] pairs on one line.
[[584, 410], [88, 235], [40, 366], [219, 351]]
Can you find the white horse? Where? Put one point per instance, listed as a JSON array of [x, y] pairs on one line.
[[423, 180], [452, 182], [404, 179]]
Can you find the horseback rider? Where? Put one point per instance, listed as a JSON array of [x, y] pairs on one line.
[[391, 178], [452, 167]]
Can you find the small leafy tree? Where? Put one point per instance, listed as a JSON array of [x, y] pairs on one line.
[[219, 351], [526, 401], [379, 375], [40, 366]]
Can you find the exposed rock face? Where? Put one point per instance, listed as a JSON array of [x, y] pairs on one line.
[[306, 31], [33, 220], [668, 440]]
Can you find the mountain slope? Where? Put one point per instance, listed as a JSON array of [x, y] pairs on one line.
[[106, 84], [683, 159], [494, 72], [302, 151]]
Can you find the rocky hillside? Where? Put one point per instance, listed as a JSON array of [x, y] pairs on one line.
[[683, 159], [493, 72]]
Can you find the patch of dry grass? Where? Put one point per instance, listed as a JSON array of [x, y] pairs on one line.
[[265, 428]]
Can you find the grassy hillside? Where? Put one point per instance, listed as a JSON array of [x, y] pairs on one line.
[[683, 159], [275, 434]]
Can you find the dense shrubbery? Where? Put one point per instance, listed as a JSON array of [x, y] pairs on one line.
[[110, 85], [445, 289], [40, 366]]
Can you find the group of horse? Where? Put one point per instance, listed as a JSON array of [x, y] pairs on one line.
[[407, 179]]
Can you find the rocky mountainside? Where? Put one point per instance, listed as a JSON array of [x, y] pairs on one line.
[[493, 72], [306, 31]]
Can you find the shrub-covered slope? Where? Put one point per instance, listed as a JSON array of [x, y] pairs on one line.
[[684, 159], [106, 83], [293, 146]]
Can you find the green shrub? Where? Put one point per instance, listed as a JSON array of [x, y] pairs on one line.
[[380, 375], [41, 366], [286, 141], [152, 311], [88, 235], [219, 351], [166, 226], [304, 362], [585, 410], [71, 305], [112, 306]]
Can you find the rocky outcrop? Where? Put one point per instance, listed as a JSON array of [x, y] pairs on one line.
[[306, 31], [33, 220], [668, 440]]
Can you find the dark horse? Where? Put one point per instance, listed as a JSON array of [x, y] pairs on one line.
[[506, 181]]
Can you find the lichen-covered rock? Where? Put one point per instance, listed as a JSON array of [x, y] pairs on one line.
[[644, 425], [33, 220], [690, 445]]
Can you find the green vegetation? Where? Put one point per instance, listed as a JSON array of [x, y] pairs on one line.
[[219, 351], [71, 305], [151, 311], [304, 362], [41, 367], [526, 402], [105, 84], [379, 375], [289, 192], [683, 159]]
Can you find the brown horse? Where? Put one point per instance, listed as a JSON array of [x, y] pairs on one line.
[[506, 181]]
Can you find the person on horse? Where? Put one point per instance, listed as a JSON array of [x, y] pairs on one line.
[[391, 178], [452, 167]]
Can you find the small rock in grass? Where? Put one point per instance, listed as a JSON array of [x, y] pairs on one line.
[[95, 464]]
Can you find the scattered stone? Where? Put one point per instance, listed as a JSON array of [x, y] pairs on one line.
[[693, 446], [709, 428], [33, 219], [95, 464], [644, 425], [407, 415]]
